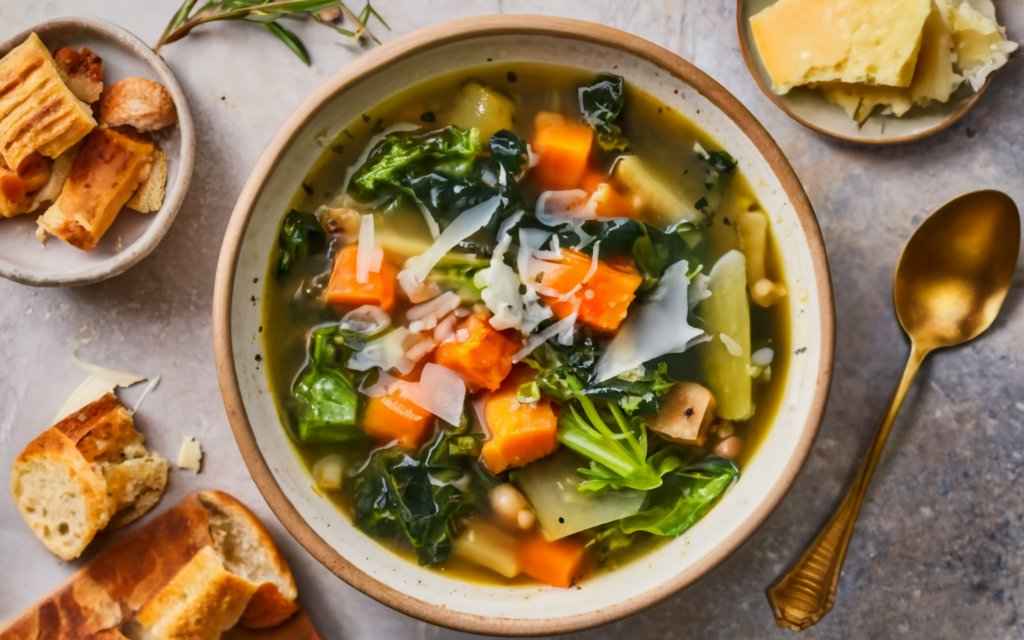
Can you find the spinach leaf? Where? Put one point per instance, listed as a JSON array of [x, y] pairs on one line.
[[414, 498], [324, 399], [301, 236], [601, 103], [401, 156], [685, 497]]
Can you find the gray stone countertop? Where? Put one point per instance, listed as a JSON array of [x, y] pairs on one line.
[[939, 552]]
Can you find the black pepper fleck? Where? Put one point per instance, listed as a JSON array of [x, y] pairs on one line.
[[689, 412], [428, 116], [255, 280], [308, 189], [971, 132], [511, 76], [800, 350], [561, 520], [366, 118], [259, 358], [253, 298]]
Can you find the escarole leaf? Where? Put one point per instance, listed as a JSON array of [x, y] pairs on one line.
[[601, 103], [324, 400], [301, 235]]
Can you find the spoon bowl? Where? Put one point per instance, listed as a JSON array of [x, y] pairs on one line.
[[956, 270]]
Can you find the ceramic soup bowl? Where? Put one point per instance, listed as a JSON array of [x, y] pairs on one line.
[[275, 465]]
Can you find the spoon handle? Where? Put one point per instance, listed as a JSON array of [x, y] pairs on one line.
[[805, 593]]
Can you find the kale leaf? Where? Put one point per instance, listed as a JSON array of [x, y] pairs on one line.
[[509, 152], [324, 399], [636, 393], [414, 498], [652, 249], [601, 103], [301, 236], [719, 167], [444, 171]]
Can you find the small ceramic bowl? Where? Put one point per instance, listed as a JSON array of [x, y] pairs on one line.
[[133, 235], [274, 463], [810, 109]]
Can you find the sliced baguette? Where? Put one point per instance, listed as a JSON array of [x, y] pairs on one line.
[[111, 593], [84, 473], [203, 600]]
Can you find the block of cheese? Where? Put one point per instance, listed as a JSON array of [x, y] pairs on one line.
[[38, 113], [107, 170], [935, 78], [981, 44], [852, 41]]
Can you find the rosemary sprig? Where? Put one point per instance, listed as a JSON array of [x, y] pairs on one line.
[[269, 13]]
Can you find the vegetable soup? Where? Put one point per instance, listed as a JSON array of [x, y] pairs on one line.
[[524, 322]]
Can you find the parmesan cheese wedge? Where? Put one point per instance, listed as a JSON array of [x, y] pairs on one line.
[[854, 41]]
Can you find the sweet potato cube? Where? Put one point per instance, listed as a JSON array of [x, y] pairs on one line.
[[345, 290], [393, 418], [557, 563], [519, 432], [563, 150], [483, 359], [603, 300]]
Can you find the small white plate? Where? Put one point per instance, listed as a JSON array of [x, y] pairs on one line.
[[810, 109], [133, 235]]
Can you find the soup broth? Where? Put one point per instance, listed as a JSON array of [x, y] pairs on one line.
[[682, 423]]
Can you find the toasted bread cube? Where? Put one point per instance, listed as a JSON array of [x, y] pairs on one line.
[[108, 169], [140, 103], [82, 70], [38, 113]]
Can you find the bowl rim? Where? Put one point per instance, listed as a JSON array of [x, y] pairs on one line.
[[750, 59], [160, 222], [401, 49]]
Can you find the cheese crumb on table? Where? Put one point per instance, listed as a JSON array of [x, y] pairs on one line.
[[190, 455]]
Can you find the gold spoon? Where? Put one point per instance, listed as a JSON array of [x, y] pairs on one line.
[[951, 281]]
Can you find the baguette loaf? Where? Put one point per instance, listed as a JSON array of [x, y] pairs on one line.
[[206, 549], [87, 471]]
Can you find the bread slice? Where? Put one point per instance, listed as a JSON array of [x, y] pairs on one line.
[[107, 170], [201, 602], [82, 71], [135, 572], [84, 473], [149, 197], [17, 187], [249, 551], [38, 113]]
